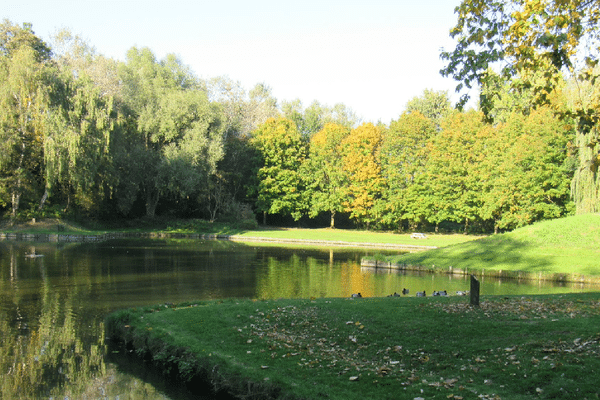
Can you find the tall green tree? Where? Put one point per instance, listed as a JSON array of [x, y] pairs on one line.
[[403, 158], [324, 171], [279, 187], [71, 52], [77, 145], [525, 172], [453, 182], [526, 36], [179, 129], [24, 104]]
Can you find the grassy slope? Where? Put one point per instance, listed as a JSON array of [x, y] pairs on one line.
[[566, 245], [380, 348]]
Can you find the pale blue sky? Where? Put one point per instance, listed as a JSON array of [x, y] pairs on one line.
[[371, 55]]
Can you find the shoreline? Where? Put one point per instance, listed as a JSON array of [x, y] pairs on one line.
[[57, 237], [324, 349], [483, 273], [365, 262]]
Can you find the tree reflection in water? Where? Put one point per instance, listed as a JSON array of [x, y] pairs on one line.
[[53, 304]]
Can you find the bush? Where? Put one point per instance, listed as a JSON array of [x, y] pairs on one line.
[[240, 214]]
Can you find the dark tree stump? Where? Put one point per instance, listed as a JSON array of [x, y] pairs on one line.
[[474, 291]]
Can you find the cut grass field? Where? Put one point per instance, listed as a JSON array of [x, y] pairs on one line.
[[183, 227], [376, 348], [563, 246]]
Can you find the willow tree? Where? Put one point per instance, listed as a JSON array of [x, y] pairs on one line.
[[179, 132], [529, 40], [24, 103], [585, 187], [77, 145]]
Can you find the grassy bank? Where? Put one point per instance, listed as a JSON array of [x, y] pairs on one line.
[[566, 245], [377, 348], [191, 227]]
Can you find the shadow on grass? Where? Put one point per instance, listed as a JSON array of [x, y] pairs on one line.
[[493, 253]]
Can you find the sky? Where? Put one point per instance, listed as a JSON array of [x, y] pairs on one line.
[[373, 55]]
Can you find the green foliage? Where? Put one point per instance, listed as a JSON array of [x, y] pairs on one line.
[[453, 184], [24, 104], [311, 120], [180, 131], [323, 171], [403, 157], [282, 151], [535, 43], [434, 105], [99, 138], [77, 146], [524, 173], [527, 36]]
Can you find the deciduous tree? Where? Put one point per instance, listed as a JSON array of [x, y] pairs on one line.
[[403, 158], [179, 129], [282, 151], [363, 180], [324, 171], [453, 182], [24, 104]]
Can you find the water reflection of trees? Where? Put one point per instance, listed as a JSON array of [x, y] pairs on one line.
[[48, 349]]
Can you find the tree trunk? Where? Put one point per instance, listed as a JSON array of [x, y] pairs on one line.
[[16, 198], [43, 200], [16, 193], [151, 202]]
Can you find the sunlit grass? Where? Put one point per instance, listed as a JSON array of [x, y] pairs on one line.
[[379, 348], [195, 226], [566, 245]]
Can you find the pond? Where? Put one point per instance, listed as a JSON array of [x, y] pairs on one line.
[[54, 298]]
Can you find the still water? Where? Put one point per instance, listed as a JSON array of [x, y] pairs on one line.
[[53, 304]]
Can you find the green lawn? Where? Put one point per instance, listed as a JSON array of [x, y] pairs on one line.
[[377, 348], [205, 227], [568, 245]]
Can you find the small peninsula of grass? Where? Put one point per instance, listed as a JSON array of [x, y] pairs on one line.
[[536, 347], [568, 245]]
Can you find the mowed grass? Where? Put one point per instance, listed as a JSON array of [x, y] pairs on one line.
[[358, 236], [514, 348], [195, 226], [566, 245]]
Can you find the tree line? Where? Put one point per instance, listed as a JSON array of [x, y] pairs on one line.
[[85, 135]]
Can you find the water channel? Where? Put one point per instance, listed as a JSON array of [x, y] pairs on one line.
[[54, 298]]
